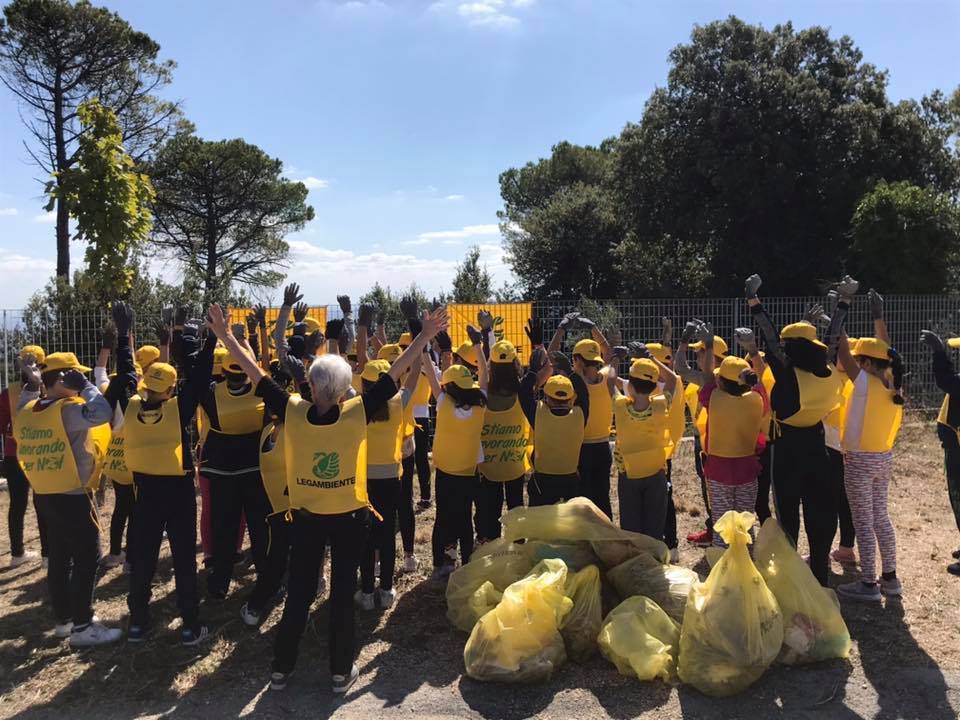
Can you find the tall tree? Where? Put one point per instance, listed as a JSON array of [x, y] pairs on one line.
[[108, 198], [53, 56], [472, 283], [387, 301], [222, 209]]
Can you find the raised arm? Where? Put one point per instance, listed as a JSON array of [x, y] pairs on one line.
[[433, 322], [876, 312], [220, 327], [291, 296], [556, 343], [680, 364]]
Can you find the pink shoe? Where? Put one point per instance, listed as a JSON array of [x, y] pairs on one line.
[[844, 555]]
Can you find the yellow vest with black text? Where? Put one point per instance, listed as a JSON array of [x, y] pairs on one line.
[[601, 412], [115, 464], [273, 467], [456, 442], [643, 442], [881, 416], [385, 437], [734, 424], [326, 464], [557, 440], [153, 448], [505, 437], [818, 397]]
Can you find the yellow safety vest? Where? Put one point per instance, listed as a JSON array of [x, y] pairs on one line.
[[643, 443], [421, 393], [505, 437], [155, 448], [385, 438], [326, 464], [557, 440], [881, 417], [356, 382], [601, 412], [942, 417], [238, 414], [677, 421], [273, 468], [768, 381], [734, 423], [838, 415], [698, 414], [818, 397], [456, 442], [115, 465]]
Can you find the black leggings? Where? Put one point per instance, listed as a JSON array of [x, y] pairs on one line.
[[120, 519], [848, 535], [454, 525], [594, 468], [951, 457], [422, 441], [670, 526], [763, 486], [19, 488], [490, 499], [704, 490], [406, 518], [385, 494], [544, 489]]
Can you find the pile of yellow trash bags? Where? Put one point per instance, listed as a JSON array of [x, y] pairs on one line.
[[564, 582]]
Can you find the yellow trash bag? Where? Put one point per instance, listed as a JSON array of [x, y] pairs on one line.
[[641, 640], [580, 520], [667, 585], [580, 627], [475, 588], [519, 640], [732, 627], [813, 628]]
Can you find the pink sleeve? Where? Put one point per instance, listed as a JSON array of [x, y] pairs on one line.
[[762, 392], [705, 392]]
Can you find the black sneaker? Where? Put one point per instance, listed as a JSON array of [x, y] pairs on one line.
[[279, 680], [137, 633], [193, 636], [955, 554]]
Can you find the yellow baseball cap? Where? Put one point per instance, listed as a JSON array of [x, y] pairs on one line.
[[374, 369], [732, 367], [720, 348], [62, 361], [853, 342], [645, 369], [230, 364], [953, 342], [160, 377], [312, 325], [503, 351], [147, 354], [459, 376], [661, 353], [559, 387], [467, 352], [35, 350], [872, 348], [405, 340], [220, 354], [588, 349], [801, 331], [389, 352]]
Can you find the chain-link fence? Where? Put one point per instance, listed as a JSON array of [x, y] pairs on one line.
[[906, 315]]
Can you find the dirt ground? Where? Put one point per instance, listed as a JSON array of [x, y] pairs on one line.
[[905, 661]]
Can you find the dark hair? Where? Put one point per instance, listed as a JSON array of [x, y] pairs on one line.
[[505, 378], [804, 355], [877, 362], [598, 364], [465, 398], [382, 414], [458, 360], [732, 387], [236, 377], [51, 377], [643, 387]]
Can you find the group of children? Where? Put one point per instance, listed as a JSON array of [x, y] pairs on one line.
[[312, 438]]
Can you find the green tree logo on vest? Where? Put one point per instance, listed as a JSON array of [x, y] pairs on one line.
[[326, 466]]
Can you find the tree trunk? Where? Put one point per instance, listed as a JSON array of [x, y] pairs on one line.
[[63, 212], [210, 272]]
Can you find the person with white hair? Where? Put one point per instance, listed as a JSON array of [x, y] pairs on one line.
[[325, 452]]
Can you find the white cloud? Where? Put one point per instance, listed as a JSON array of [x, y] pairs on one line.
[[497, 14], [467, 231], [453, 198], [9, 211], [452, 242], [419, 241], [48, 218], [313, 183], [28, 274]]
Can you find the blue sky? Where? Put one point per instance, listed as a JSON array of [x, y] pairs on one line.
[[400, 114]]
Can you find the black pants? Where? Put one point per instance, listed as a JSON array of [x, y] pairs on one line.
[[594, 468], [545, 489], [951, 457], [121, 518], [346, 534], [670, 524], [164, 503], [270, 574], [422, 441], [848, 535], [643, 504], [19, 488], [704, 490], [230, 497], [385, 495], [74, 541], [490, 499], [801, 476], [405, 515], [454, 524], [763, 485]]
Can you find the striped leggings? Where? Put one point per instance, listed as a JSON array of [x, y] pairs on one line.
[[742, 498], [867, 477]]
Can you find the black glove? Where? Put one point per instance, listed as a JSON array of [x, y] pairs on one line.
[[251, 324], [108, 336], [689, 332], [750, 378], [297, 346], [180, 318], [746, 339], [312, 342], [381, 317], [620, 352], [562, 363], [162, 331], [292, 295], [416, 326], [299, 329], [74, 380], [166, 314], [847, 287], [897, 368], [334, 329], [476, 337], [367, 313], [585, 323], [343, 342], [408, 306], [705, 334], [123, 317], [344, 302], [876, 304], [485, 320], [444, 342], [534, 331], [638, 350], [815, 313], [295, 369], [569, 321], [300, 311], [751, 286], [239, 331], [932, 341], [260, 313], [538, 359]]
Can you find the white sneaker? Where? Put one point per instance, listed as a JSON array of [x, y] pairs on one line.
[[62, 630], [18, 560], [342, 683], [112, 561], [94, 634], [363, 600], [249, 617], [675, 555], [410, 563], [386, 597]]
